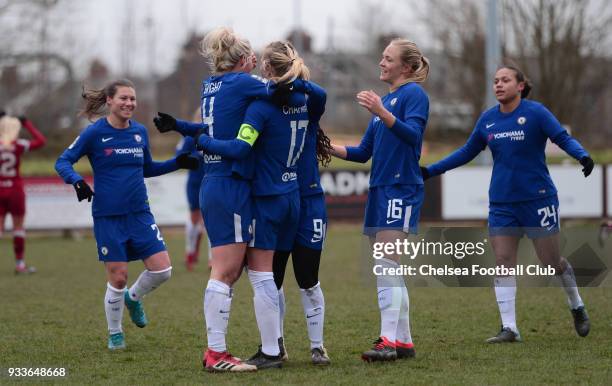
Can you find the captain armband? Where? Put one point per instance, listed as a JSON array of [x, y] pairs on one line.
[[247, 133]]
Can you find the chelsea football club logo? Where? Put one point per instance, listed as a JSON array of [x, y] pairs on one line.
[[393, 101], [138, 138], [521, 120]]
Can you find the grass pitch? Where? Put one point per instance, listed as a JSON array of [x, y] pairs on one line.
[[55, 318]]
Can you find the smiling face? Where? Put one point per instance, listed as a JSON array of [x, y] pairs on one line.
[[123, 104], [506, 87], [392, 69]]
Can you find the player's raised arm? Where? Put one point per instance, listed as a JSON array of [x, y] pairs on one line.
[[38, 139]]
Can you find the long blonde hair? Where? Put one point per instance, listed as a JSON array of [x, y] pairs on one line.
[[412, 57], [223, 49], [9, 129], [285, 62]]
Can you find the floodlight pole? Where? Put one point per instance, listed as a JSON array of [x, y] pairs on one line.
[[492, 60]]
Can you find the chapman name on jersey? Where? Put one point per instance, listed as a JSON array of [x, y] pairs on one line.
[[279, 144]]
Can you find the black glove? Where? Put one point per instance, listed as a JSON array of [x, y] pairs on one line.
[[281, 94], [185, 161], [83, 191], [164, 122], [424, 173], [22, 119], [588, 165]]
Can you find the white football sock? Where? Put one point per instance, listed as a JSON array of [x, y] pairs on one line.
[[505, 293], [113, 307], [389, 300], [217, 307], [568, 281], [313, 303], [403, 335], [281, 311], [192, 236], [265, 300], [148, 281]]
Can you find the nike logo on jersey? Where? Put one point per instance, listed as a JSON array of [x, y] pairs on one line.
[[113, 302], [312, 316], [315, 240], [490, 124], [224, 311], [392, 221], [550, 228], [106, 139]]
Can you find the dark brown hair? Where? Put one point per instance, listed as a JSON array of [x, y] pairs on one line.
[[95, 100], [520, 77], [324, 148]]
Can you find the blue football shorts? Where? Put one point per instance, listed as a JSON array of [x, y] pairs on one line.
[[276, 220], [393, 207], [312, 227], [226, 207], [535, 218], [127, 237]]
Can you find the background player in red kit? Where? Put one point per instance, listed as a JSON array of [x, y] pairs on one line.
[[12, 194]]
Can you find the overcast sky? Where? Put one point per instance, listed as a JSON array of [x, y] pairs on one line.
[[100, 28]]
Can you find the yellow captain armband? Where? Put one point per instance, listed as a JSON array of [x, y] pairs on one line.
[[247, 134]]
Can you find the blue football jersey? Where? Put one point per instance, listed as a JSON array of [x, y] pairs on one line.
[[517, 141], [224, 101], [120, 160], [280, 142], [396, 151]]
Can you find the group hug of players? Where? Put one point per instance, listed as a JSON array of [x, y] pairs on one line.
[[261, 199]]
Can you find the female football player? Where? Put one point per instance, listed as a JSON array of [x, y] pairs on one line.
[[393, 139], [12, 193], [118, 150], [225, 193], [522, 196], [275, 132]]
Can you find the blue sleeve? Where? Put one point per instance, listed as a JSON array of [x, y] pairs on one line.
[[188, 128], [570, 145], [256, 87], [474, 145], [70, 156], [553, 129], [186, 145], [316, 101], [363, 152], [254, 116], [154, 168], [411, 125], [230, 148]]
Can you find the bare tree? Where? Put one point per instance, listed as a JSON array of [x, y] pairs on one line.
[[558, 42], [562, 45], [458, 30]]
